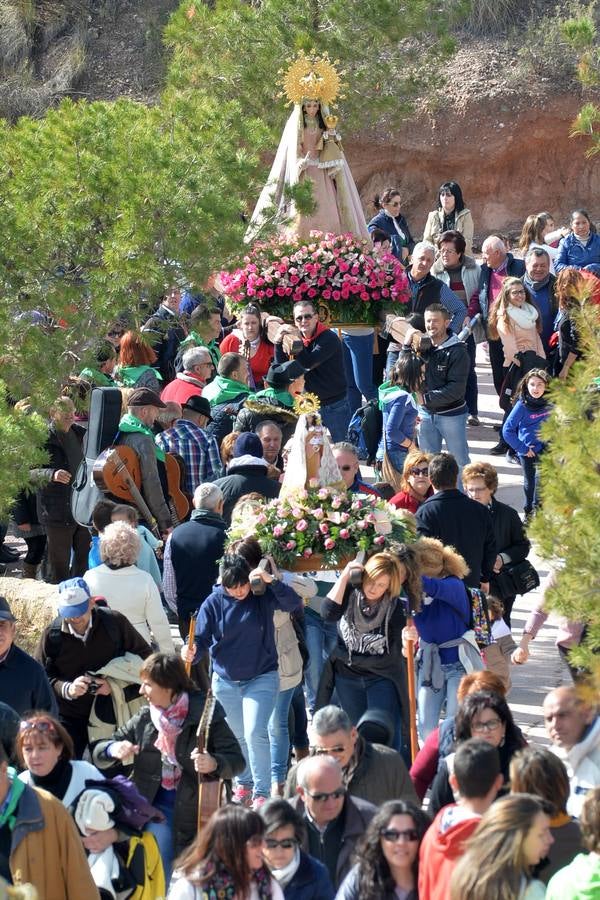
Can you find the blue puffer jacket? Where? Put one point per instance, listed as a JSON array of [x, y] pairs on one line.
[[310, 882], [521, 431], [386, 223], [572, 253]]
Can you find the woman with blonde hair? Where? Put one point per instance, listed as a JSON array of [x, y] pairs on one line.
[[416, 486], [512, 837], [447, 648], [516, 320], [368, 667], [533, 234], [128, 589]]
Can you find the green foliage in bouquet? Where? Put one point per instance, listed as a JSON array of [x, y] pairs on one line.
[[327, 524]]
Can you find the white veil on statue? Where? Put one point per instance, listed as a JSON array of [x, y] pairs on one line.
[[296, 472], [284, 171]]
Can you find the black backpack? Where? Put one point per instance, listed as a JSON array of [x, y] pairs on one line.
[[365, 430]]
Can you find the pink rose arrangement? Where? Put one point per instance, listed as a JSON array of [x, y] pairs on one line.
[[339, 270], [326, 522]]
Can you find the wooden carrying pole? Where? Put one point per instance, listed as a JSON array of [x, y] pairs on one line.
[[191, 632], [412, 697]]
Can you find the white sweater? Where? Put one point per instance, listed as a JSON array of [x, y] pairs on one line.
[[81, 771], [132, 592]]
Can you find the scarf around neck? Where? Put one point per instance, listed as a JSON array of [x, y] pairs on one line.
[[129, 375], [169, 722], [282, 396], [224, 390], [218, 884], [524, 316], [536, 285], [318, 330], [284, 876], [11, 801], [129, 424], [359, 626]]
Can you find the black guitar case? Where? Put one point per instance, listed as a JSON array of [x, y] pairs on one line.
[[104, 417]]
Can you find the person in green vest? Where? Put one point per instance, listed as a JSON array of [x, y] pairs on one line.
[[231, 383], [205, 330], [100, 372], [285, 382]]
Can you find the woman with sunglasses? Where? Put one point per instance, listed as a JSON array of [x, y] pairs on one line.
[[388, 855], [416, 486], [451, 214], [484, 715], [300, 876], [226, 861], [390, 220]]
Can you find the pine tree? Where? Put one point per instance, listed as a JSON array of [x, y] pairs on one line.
[[566, 528]]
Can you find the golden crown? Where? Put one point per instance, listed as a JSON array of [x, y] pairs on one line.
[[306, 404], [311, 77]]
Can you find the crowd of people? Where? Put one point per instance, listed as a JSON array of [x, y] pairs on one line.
[[344, 764]]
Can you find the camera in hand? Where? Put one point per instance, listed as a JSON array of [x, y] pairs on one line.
[[93, 685]]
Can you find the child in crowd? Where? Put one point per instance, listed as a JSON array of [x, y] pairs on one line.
[[101, 517], [521, 431], [150, 546], [498, 653]]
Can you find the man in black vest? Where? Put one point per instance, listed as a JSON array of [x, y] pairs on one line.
[[192, 554]]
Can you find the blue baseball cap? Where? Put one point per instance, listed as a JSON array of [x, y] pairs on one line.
[[73, 598]]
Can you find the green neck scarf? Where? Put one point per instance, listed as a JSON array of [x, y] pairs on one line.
[[131, 425], [128, 375], [223, 390], [388, 392], [194, 340], [97, 377], [282, 396], [11, 801]]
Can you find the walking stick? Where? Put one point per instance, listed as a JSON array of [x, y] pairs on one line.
[[188, 665], [412, 698]]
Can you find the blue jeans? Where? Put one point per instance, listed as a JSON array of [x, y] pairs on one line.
[[531, 478], [434, 428], [163, 831], [336, 417], [248, 707], [279, 736], [471, 394], [396, 457], [359, 693], [358, 365], [430, 701], [321, 638], [390, 362]]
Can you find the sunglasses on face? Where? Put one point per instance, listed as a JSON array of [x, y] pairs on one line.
[[285, 844], [417, 471], [324, 751], [394, 836], [303, 316], [322, 796], [344, 468]]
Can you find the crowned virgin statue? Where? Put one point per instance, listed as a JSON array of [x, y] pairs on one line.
[[311, 148]]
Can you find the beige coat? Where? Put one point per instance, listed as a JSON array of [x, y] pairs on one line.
[[464, 224]]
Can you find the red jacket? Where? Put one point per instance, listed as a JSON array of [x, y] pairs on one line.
[[180, 389], [439, 853], [406, 500]]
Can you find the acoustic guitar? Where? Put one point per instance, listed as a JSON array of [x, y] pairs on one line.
[[210, 787], [117, 472]]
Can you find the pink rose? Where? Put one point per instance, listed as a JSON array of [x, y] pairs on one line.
[[361, 525], [290, 545], [278, 531], [302, 525], [344, 516], [261, 519], [318, 513], [379, 540], [308, 552], [297, 513], [323, 493], [329, 544], [336, 502], [344, 534], [324, 528]]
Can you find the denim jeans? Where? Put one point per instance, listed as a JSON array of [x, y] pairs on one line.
[[163, 831], [321, 638], [530, 482], [434, 428], [279, 736], [357, 694], [358, 365], [430, 701], [471, 393], [248, 707], [390, 362], [336, 417]]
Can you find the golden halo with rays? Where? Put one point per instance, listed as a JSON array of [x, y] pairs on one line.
[[311, 77], [306, 404]]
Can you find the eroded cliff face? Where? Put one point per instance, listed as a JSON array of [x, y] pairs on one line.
[[508, 162]]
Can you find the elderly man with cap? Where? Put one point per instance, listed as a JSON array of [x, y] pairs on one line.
[[246, 474], [188, 438], [135, 431], [82, 640], [285, 382], [23, 682]]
